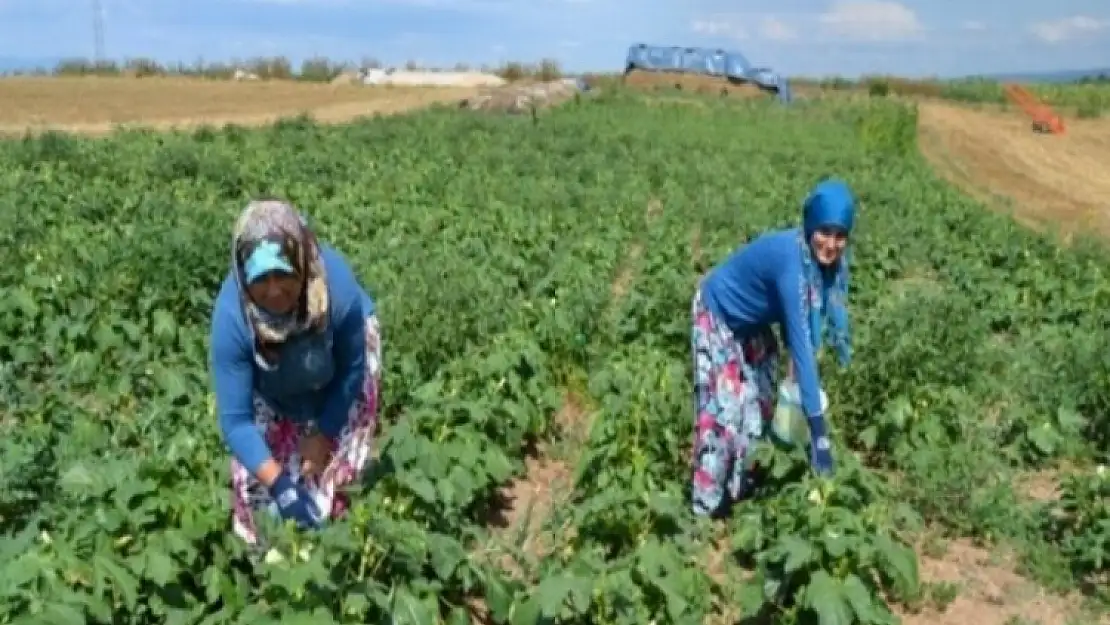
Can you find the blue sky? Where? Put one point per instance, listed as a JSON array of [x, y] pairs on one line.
[[847, 37]]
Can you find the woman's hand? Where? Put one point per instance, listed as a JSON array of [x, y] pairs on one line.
[[820, 449], [295, 502], [315, 451]]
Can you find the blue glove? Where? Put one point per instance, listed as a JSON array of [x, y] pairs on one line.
[[820, 448], [295, 502]]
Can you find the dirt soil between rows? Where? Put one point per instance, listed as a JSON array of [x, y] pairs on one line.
[[95, 105], [1043, 180]]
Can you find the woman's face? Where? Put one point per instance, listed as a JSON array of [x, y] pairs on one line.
[[276, 292], [828, 245]]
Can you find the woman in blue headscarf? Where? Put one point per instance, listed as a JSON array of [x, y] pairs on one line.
[[796, 279]]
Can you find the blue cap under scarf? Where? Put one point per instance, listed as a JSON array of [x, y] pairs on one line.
[[267, 258], [830, 204]]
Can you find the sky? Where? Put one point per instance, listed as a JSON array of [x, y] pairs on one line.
[[794, 37]]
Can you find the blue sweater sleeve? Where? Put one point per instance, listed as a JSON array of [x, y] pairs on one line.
[[233, 376], [350, 351], [796, 330]]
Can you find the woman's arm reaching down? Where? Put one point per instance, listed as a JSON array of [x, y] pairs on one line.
[[804, 364], [232, 374]]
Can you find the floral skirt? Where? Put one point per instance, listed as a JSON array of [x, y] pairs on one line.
[[734, 388], [283, 436]]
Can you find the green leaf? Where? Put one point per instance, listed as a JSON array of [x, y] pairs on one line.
[[901, 561], [163, 327], [420, 486], [319, 616], [553, 593], [212, 578], [748, 538], [527, 613], [1045, 438], [869, 436], [408, 609], [835, 543], [799, 553], [158, 567], [499, 598], [171, 383], [62, 614], [446, 554], [121, 580], [356, 604], [458, 616], [859, 598], [824, 597]]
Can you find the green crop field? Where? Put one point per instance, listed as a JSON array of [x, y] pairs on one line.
[[1084, 100], [517, 267]]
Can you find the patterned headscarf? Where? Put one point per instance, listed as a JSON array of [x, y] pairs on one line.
[[278, 222], [825, 291]]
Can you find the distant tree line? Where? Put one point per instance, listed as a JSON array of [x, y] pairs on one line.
[[1100, 78], [318, 69]]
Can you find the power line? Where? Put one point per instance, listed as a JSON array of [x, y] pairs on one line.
[[98, 32]]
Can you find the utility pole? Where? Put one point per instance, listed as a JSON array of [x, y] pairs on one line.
[[98, 32]]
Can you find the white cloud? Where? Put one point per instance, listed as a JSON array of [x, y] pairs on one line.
[[775, 29], [1068, 28], [973, 25], [740, 27], [720, 27], [872, 20]]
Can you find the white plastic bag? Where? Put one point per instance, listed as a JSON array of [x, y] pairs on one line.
[[789, 425]]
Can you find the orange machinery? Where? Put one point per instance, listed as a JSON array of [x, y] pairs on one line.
[[1044, 118]]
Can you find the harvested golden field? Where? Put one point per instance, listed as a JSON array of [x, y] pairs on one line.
[[95, 105]]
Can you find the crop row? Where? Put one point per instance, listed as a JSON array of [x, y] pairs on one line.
[[492, 245]]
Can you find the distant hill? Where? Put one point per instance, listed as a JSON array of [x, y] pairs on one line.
[[17, 64]]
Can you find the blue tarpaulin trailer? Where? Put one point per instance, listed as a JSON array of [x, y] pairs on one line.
[[727, 64]]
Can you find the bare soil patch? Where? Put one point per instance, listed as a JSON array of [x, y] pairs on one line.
[[692, 83], [96, 105], [991, 593], [526, 503], [530, 498], [1040, 486], [1059, 181]]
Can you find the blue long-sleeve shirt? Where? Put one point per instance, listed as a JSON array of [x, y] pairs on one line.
[[760, 284], [318, 376]]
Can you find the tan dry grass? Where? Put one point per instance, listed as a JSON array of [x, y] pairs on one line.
[[94, 105], [1052, 180]]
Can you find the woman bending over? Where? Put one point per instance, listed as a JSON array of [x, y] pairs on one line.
[[796, 279], [295, 359]]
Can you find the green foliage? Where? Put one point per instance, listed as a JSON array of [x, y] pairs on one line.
[[491, 246], [1080, 522], [888, 128], [1086, 99]]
